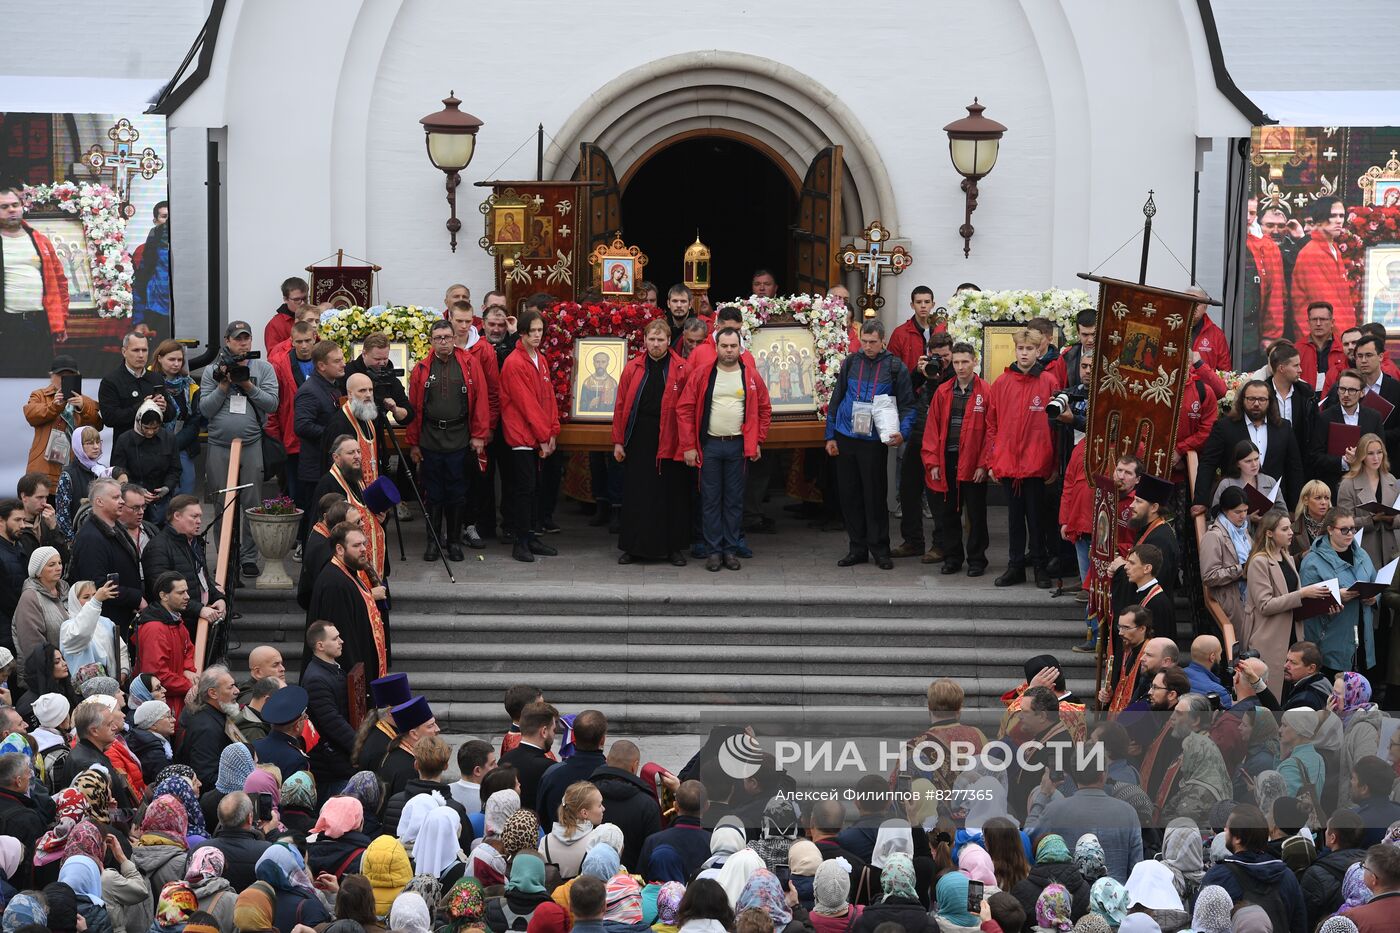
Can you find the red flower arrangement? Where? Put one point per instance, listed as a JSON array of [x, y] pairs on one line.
[[568, 320], [1366, 227]]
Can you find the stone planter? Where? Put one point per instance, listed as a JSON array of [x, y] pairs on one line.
[[275, 536]]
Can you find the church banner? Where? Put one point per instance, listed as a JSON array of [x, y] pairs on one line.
[[547, 258], [1144, 348]]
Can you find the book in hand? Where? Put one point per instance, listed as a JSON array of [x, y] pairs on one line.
[[1374, 401], [1314, 606], [1258, 502], [1384, 576], [1378, 508], [1342, 437]]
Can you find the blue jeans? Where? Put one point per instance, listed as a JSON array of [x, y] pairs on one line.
[[1081, 551], [722, 493], [444, 474], [186, 486]]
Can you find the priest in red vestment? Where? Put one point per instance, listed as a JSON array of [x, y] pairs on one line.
[[343, 594]]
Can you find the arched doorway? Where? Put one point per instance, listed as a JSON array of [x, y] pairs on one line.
[[738, 198]]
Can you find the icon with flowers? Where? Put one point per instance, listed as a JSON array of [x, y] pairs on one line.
[[104, 227], [567, 321], [402, 323], [824, 317]]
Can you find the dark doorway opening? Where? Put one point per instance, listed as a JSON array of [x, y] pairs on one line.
[[733, 194]]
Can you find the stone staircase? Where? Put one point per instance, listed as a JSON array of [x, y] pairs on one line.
[[683, 656]]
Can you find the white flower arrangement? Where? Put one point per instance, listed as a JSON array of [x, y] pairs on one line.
[[968, 311], [98, 207], [824, 317], [408, 324]]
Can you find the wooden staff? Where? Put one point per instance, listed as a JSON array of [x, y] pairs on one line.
[[235, 454]]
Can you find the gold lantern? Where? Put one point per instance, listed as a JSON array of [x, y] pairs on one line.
[[697, 266]]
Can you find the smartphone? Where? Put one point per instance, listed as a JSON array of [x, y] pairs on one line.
[[974, 897], [263, 802], [71, 385], [114, 578], [784, 874]]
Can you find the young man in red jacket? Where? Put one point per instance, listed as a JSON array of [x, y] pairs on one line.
[[1019, 455], [1207, 338], [1320, 351], [530, 422], [722, 421], [481, 500], [952, 455], [1319, 275], [454, 424], [909, 341], [279, 328], [292, 363], [163, 645]]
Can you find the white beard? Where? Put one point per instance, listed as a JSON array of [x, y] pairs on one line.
[[364, 411], [228, 709]]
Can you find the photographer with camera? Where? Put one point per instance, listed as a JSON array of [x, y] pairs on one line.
[[236, 395], [934, 367]]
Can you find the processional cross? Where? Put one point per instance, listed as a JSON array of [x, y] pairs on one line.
[[872, 262], [121, 162]]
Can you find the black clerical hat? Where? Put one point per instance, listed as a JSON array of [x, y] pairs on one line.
[[412, 714], [1155, 490], [390, 691]]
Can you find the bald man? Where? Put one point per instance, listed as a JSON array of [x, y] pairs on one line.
[[263, 661], [1205, 654], [356, 418], [630, 803]]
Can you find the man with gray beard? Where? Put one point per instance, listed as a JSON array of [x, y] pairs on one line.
[[207, 724], [355, 417], [1200, 779]]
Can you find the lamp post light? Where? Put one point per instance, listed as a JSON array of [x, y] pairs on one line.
[[451, 139], [973, 142]]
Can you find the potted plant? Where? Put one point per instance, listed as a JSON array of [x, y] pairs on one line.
[[274, 526]]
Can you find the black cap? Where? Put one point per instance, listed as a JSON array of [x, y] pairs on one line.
[[1156, 490], [238, 328], [64, 364], [284, 706]]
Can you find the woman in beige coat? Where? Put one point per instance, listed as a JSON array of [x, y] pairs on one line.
[[1272, 595], [1369, 481], [1225, 547]]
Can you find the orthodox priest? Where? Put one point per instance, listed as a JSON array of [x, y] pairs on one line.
[[355, 418], [344, 594], [346, 477]]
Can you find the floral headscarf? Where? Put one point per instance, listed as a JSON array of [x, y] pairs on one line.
[[1051, 850], [299, 792], [177, 770], [1089, 858], [464, 904], [1356, 696], [1392, 834], [1268, 787], [97, 788], [254, 908], [521, 831], [235, 764], [204, 866], [50, 846], [364, 786], [166, 817], [668, 902], [178, 786], [22, 909], [70, 803], [1354, 890], [763, 892], [1213, 910], [14, 742], [1110, 900], [623, 899], [284, 871], [175, 904], [1052, 909], [897, 877], [85, 839]]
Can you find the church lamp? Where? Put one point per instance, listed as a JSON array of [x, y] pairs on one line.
[[451, 139], [973, 143], [697, 266]]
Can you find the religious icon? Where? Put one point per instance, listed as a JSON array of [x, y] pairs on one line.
[[998, 347], [786, 359], [507, 231], [1387, 193], [1142, 345], [1277, 139], [598, 363], [69, 240], [1383, 286], [617, 276], [541, 245]]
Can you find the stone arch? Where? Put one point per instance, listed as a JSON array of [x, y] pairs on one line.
[[792, 116]]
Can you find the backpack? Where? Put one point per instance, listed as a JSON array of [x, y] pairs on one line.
[[1262, 894]]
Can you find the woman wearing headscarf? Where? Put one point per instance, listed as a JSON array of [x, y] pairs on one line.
[[204, 873], [832, 911], [1361, 724], [1150, 886], [487, 860], [463, 907], [736, 871], [1261, 753], [1213, 909], [725, 840], [1089, 858], [365, 787], [11, 855], [282, 868], [1091, 923], [1052, 910], [84, 876], [1053, 866], [1184, 854], [524, 892], [235, 764], [174, 906], [160, 854], [1337, 924], [298, 805], [804, 858], [668, 905], [777, 831], [62, 903], [622, 900], [666, 864], [42, 606], [265, 781], [180, 782], [24, 908], [89, 640], [411, 817], [1109, 899], [45, 671], [386, 865], [253, 911], [438, 850], [1268, 787], [1224, 554], [974, 862], [1199, 780], [410, 914], [950, 910], [338, 841], [1302, 766], [763, 892]]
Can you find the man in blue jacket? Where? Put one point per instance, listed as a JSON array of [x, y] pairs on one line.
[[1205, 654], [853, 438], [1250, 872]]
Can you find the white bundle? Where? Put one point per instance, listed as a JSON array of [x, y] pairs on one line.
[[886, 414]]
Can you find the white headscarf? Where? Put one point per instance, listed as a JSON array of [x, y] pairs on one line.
[[437, 847], [409, 914], [736, 871], [610, 833], [414, 813], [894, 836], [989, 802], [726, 840], [1150, 884], [499, 807]]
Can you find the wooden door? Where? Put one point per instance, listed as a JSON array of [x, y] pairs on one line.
[[816, 234], [603, 201]]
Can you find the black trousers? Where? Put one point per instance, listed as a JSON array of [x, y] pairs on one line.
[[963, 501], [913, 492], [1026, 507], [861, 476], [484, 503], [523, 515]]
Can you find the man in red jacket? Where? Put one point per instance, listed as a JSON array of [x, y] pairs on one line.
[[909, 341], [952, 455], [481, 501], [163, 645], [530, 422], [33, 291], [447, 387], [1207, 338], [722, 421], [1319, 275], [1019, 455], [1268, 263], [292, 363], [294, 291], [1320, 351]]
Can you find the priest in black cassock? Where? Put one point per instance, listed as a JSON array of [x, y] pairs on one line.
[[379, 728], [344, 594], [317, 553], [414, 721], [1151, 523]]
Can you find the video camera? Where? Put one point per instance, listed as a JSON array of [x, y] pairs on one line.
[[1061, 402], [234, 367], [384, 381]]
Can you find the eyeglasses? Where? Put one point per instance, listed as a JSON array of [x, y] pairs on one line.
[[1348, 390], [1349, 530], [441, 337]]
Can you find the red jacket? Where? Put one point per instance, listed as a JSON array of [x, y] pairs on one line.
[[529, 413], [1077, 501], [163, 648], [1016, 416], [55, 284], [906, 342], [485, 354], [1200, 406], [974, 427], [478, 402], [279, 328], [628, 388], [692, 409], [282, 422], [1268, 262], [1318, 275], [1307, 365], [1211, 344], [125, 761], [705, 354]]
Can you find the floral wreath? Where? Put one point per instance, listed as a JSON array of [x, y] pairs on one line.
[[968, 310], [408, 324], [825, 317], [1365, 227], [568, 320], [98, 207]]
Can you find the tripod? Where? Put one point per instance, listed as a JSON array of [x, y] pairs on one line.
[[383, 421]]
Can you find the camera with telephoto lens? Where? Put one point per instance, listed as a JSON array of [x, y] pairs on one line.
[[384, 381], [1061, 402], [234, 366]]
